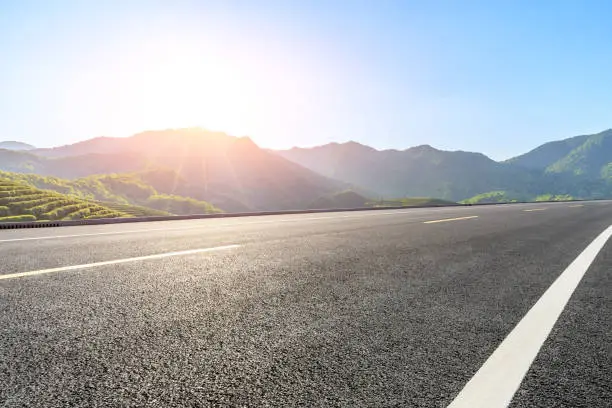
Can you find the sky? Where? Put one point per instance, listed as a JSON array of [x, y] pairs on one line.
[[498, 77]]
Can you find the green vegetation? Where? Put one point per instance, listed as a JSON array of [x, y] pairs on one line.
[[18, 218], [20, 202], [577, 159], [180, 205], [553, 197], [134, 210], [342, 199], [493, 197], [124, 193], [509, 197]]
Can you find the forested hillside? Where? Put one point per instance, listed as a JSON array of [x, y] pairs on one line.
[[588, 155]]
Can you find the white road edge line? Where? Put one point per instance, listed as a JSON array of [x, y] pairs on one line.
[[116, 261], [496, 382], [450, 219]]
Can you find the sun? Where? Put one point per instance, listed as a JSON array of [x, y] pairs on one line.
[[176, 86]]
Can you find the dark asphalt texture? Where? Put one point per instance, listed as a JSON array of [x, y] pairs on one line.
[[317, 310]]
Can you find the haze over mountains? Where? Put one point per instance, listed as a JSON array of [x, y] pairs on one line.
[[579, 166], [234, 174], [230, 172]]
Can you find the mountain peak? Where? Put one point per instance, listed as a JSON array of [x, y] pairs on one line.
[[423, 148]]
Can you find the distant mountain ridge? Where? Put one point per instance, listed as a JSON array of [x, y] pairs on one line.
[[236, 175], [13, 145], [580, 166], [420, 171], [154, 143], [230, 172]]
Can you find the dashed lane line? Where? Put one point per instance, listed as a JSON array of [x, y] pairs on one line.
[[450, 219]]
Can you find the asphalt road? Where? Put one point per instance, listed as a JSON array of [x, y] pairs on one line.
[[362, 309]]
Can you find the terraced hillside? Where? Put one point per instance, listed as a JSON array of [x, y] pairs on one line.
[[132, 193], [20, 202], [134, 210]]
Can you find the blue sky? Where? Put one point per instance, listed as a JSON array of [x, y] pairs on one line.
[[499, 77]]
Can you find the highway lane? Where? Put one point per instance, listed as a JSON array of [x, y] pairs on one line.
[[343, 309], [75, 245]]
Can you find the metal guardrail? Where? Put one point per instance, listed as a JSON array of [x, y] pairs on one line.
[[100, 221]]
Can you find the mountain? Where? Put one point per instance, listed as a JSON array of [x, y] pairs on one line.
[[587, 155], [232, 173], [12, 145], [421, 171], [71, 166]]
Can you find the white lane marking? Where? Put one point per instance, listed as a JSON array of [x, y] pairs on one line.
[[576, 206], [197, 227], [450, 219], [496, 382], [536, 209], [116, 261]]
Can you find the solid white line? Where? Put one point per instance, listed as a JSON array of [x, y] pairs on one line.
[[495, 384], [116, 261], [576, 206], [536, 209], [450, 219]]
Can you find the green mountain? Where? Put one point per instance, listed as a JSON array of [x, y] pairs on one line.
[[589, 156]]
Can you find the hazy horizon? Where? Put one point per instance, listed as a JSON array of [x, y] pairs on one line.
[[498, 79]]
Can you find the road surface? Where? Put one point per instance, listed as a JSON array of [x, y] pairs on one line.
[[415, 307]]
